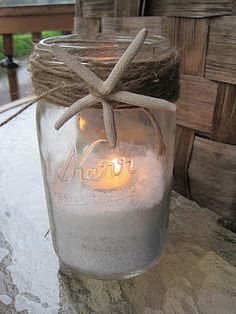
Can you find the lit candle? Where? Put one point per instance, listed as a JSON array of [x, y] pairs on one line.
[[100, 174], [106, 174], [115, 174]]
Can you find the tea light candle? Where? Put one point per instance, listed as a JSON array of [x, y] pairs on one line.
[[116, 175]]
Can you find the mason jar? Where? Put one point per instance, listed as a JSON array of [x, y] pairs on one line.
[[108, 207]]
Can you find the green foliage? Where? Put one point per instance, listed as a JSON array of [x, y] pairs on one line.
[[23, 43]]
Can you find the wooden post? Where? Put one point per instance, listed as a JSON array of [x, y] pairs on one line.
[[13, 84], [8, 51], [36, 37]]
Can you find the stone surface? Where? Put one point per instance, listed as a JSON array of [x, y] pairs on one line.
[[196, 273]]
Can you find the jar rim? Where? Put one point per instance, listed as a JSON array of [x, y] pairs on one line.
[[95, 46], [78, 41]]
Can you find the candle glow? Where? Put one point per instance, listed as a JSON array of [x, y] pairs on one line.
[[105, 174], [108, 174], [82, 123], [117, 174]]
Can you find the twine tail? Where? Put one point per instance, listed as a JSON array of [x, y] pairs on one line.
[[109, 123], [157, 130], [18, 112], [37, 98]]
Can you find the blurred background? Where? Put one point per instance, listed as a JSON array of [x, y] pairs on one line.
[[22, 23]]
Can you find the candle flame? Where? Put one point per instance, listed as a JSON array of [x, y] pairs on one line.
[[117, 165], [82, 123]]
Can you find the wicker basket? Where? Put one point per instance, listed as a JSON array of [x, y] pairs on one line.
[[204, 33]]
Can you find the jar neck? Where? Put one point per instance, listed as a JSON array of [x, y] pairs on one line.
[[105, 48], [148, 75]]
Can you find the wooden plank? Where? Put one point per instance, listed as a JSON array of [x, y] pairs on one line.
[[37, 10], [95, 8], [212, 176], [196, 103], [189, 36], [234, 7], [127, 8], [189, 8], [221, 54], [11, 25], [183, 149], [87, 25], [155, 25], [224, 121]]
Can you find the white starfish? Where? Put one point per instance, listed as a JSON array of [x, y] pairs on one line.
[[104, 90]]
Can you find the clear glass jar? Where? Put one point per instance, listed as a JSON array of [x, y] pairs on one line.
[[108, 207]]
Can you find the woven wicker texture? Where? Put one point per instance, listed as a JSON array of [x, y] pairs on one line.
[[204, 34]]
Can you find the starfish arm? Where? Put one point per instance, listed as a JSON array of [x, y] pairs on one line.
[[142, 101], [82, 71], [109, 123], [124, 62], [74, 109]]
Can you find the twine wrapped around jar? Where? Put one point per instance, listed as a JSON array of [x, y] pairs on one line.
[[156, 77], [65, 83]]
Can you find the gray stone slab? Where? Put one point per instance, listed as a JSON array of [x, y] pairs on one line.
[[196, 273]]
